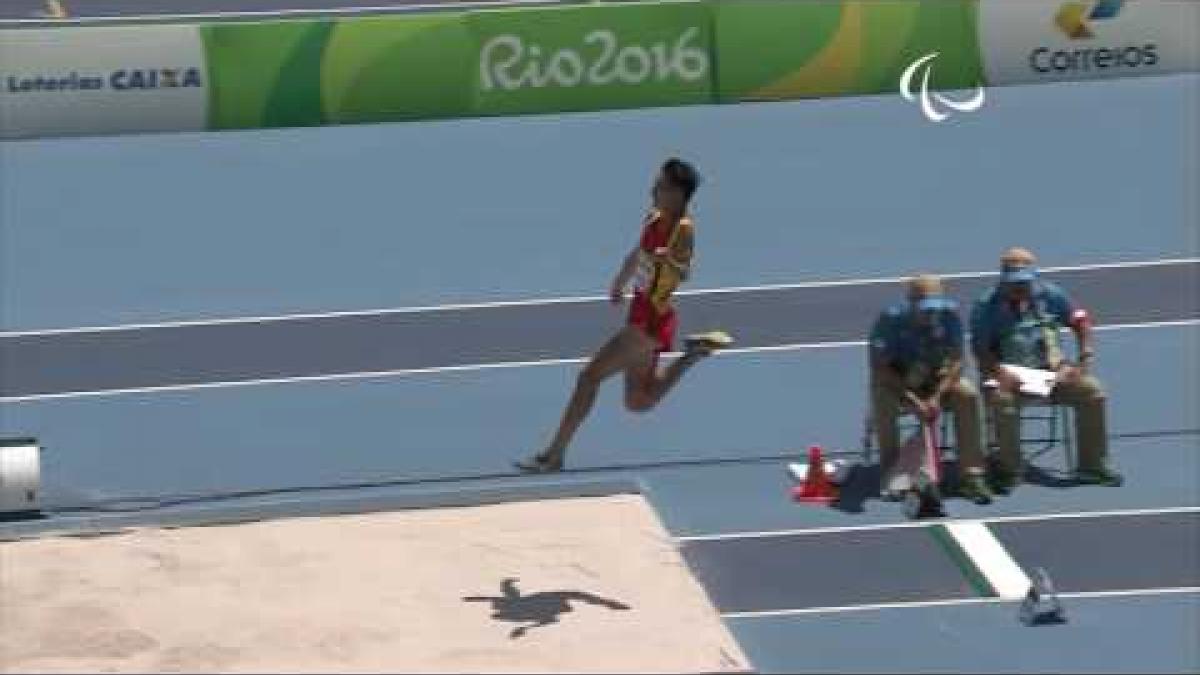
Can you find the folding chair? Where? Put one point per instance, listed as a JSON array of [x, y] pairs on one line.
[[1045, 425]]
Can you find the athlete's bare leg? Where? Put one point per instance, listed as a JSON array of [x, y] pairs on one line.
[[622, 350], [646, 386], [631, 351]]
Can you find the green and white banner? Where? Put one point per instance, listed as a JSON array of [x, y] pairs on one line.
[[394, 68], [382, 69], [265, 74], [93, 80], [782, 49], [370, 69]]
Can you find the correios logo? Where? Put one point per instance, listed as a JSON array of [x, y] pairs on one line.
[[927, 98], [1073, 17], [1078, 22], [509, 63]]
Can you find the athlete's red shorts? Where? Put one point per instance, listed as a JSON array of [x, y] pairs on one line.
[[659, 326]]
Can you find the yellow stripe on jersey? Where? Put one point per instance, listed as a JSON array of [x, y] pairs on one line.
[[667, 276]]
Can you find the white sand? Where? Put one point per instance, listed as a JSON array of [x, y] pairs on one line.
[[367, 593]]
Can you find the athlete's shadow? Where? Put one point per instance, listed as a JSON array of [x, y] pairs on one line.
[[537, 609]]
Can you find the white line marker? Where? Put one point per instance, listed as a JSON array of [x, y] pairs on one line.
[[765, 534], [471, 367], [1134, 592], [989, 556], [1084, 595], [300, 12], [561, 300], [1148, 324], [290, 380], [769, 613], [910, 524]]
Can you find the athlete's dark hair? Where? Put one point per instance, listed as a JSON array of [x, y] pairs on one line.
[[683, 176]]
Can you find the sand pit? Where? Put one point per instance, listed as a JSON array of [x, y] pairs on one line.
[[566, 585]]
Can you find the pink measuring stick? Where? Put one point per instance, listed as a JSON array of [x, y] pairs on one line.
[[933, 461]]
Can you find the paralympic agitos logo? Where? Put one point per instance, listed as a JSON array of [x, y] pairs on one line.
[[1082, 21], [928, 98]]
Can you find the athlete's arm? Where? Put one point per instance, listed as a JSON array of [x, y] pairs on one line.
[[624, 274]]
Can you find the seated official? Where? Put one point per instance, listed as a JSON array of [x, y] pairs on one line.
[[1019, 322], [916, 362]]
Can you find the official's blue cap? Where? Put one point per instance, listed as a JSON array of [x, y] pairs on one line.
[[1017, 275], [935, 303]]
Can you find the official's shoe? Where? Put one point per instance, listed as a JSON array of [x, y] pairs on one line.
[[975, 489], [1102, 476], [924, 500], [1004, 481]]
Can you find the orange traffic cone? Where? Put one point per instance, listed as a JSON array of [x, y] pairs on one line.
[[816, 487]]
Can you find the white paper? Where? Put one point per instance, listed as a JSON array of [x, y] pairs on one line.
[[1034, 381]]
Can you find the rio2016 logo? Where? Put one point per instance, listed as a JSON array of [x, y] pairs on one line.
[[928, 98], [507, 63]]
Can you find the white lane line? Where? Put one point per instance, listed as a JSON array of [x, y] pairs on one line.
[[1133, 592], [432, 370], [1117, 513], [405, 8], [1148, 324], [1167, 510], [990, 558], [562, 300], [862, 343], [766, 534], [1084, 595], [289, 380], [770, 613]]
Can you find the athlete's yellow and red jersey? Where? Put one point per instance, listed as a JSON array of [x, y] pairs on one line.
[[657, 279]]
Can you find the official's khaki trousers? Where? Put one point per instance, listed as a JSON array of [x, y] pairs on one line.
[[962, 400], [1086, 397]]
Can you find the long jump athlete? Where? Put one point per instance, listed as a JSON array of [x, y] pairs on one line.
[[657, 264]]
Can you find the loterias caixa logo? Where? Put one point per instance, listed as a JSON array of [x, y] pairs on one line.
[[121, 79], [108, 79], [1090, 27]]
